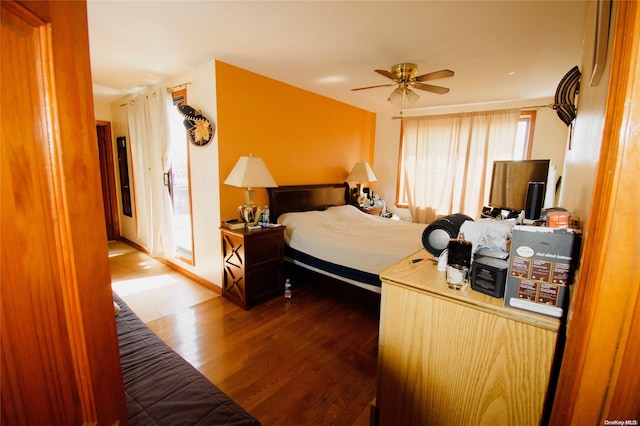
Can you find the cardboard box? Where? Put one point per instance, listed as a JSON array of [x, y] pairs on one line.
[[542, 263], [558, 219]]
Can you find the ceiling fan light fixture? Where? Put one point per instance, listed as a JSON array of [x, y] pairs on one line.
[[412, 96], [401, 93], [396, 96]]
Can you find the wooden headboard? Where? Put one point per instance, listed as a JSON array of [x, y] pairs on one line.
[[300, 198]]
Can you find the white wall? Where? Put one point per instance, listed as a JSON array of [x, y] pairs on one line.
[[581, 164], [549, 141], [102, 110], [205, 197], [385, 165], [118, 114]]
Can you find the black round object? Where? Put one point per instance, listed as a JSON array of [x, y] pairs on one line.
[[436, 236]]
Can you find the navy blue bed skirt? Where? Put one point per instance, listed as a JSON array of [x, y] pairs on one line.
[[339, 270]]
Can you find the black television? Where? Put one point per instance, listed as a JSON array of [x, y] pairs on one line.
[[510, 181]]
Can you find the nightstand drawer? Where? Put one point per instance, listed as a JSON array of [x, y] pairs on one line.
[[264, 248], [265, 282]]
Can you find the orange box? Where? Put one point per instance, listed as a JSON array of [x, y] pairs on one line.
[[558, 219]]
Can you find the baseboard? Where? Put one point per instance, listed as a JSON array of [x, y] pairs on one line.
[[190, 275], [134, 245]]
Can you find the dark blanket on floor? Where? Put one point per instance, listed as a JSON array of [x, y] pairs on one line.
[[162, 388]]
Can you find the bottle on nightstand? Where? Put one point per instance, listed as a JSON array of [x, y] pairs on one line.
[[287, 291]]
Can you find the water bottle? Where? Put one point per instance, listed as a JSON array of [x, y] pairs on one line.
[[287, 291]]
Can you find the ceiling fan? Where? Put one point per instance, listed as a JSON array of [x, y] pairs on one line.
[[404, 76]]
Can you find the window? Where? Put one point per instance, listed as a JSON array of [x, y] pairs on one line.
[[522, 151], [524, 138], [179, 182]]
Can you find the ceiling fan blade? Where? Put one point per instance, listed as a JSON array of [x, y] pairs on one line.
[[387, 74], [431, 88], [373, 87], [435, 75]]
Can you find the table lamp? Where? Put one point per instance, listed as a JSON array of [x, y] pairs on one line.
[[361, 172], [250, 172]]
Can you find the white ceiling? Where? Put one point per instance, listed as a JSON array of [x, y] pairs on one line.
[[499, 50]]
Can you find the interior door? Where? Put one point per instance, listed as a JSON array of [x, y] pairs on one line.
[[108, 179], [59, 360]]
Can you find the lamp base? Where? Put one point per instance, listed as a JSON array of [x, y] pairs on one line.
[[248, 213]]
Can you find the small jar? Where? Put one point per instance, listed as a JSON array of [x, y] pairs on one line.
[[458, 262]]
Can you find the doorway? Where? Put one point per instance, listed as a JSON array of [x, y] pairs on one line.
[[108, 180]]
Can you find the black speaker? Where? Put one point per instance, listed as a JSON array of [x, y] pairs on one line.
[[436, 236], [534, 200]]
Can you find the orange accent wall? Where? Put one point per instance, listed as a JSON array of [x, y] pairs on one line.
[[303, 137]]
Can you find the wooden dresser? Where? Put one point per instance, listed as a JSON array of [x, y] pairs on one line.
[[458, 357], [253, 263]]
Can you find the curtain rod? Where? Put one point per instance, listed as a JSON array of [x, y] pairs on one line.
[[554, 106], [178, 86]]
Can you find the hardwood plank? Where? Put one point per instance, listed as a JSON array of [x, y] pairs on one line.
[[311, 362]]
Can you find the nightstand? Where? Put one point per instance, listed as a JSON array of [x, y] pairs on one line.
[[373, 210], [253, 264]]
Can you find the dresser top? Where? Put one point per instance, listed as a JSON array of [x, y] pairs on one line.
[[424, 277]]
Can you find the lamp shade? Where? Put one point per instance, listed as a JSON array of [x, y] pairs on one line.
[[362, 172], [412, 96], [250, 172], [396, 96]]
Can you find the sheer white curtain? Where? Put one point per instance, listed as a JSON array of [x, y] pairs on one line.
[[447, 160], [149, 133]]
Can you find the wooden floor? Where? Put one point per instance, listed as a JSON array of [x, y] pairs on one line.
[[150, 288], [311, 362]]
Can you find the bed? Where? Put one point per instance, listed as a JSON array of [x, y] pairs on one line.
[[327, 235], [162, 388]]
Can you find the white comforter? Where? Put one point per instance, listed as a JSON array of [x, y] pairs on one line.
[[347, 236]]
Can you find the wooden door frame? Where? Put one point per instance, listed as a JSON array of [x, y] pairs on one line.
[[108, 177], [58, 289], [600, 372]]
